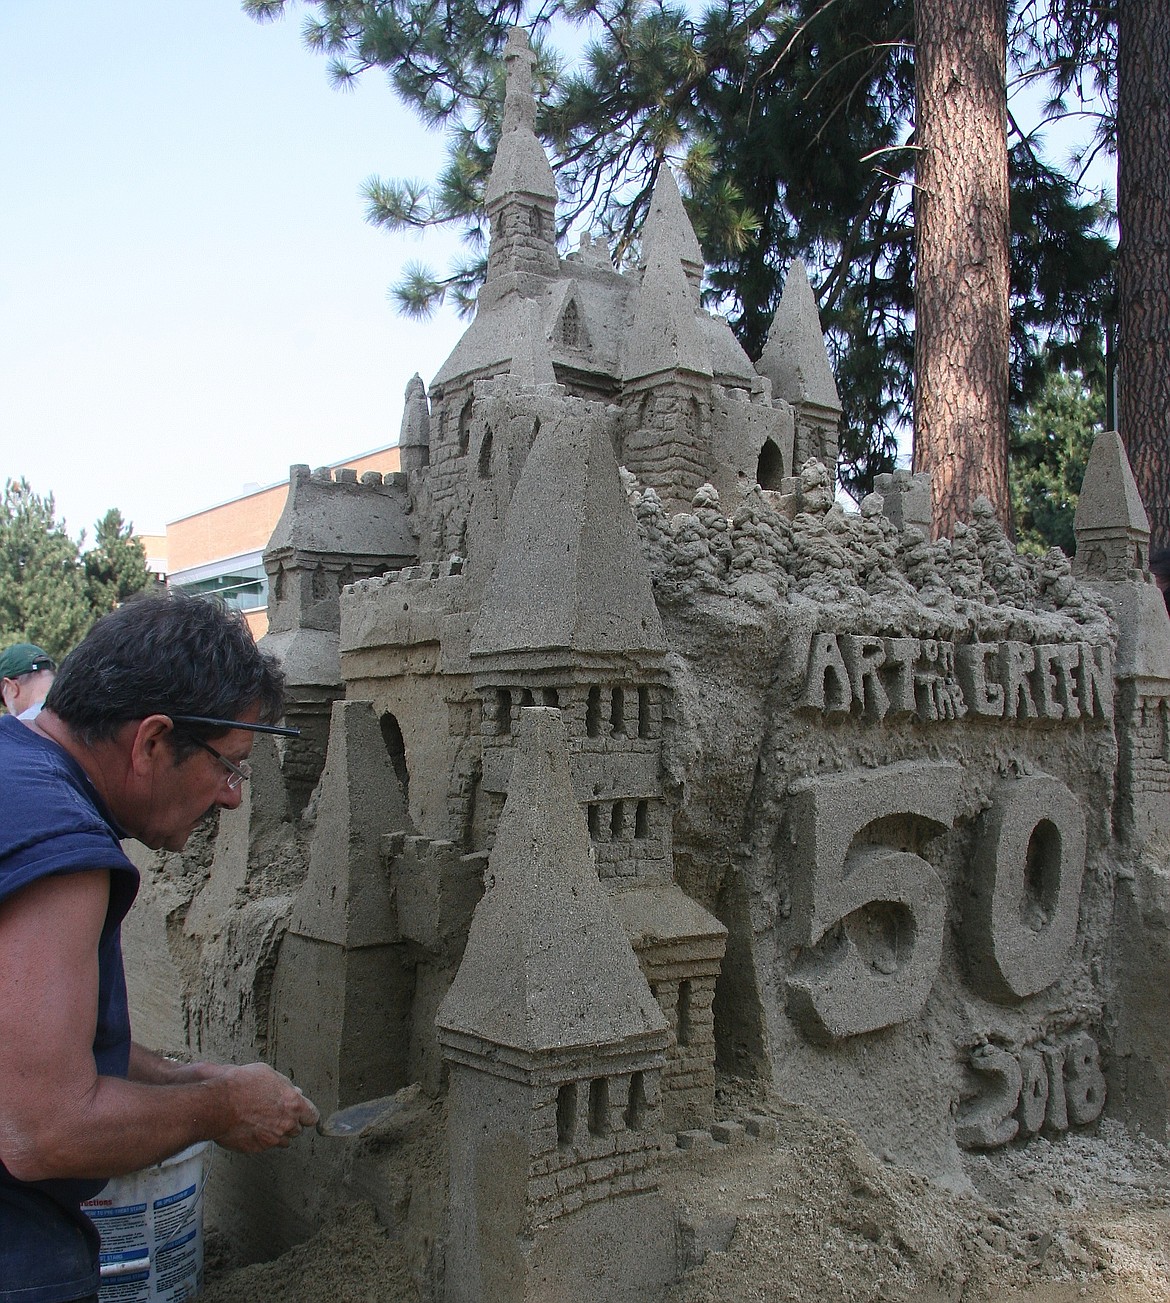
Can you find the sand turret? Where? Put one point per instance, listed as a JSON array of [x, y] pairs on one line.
[[554, 1046], [1111, 525], [796, 362], [414, 438], [521, 193]]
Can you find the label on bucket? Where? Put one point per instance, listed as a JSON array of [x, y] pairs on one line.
[[151, 1226]]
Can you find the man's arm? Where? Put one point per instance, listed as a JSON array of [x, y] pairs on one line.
[[58, 1118], [154, 1069]]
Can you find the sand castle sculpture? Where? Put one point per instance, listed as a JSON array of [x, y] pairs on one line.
[[629, 758]]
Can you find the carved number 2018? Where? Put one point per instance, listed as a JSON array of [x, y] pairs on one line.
[[871, 917]]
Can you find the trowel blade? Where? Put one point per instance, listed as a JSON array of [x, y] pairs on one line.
[[357, 1119]]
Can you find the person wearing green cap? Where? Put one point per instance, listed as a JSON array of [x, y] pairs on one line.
[[26, 672]]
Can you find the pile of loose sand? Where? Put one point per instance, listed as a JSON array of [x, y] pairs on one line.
[[815, 1216], [353, 1260]]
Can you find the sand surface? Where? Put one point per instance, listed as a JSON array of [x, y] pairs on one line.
[[815, 1216]]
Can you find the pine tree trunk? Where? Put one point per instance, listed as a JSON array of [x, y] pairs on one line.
[[1143, 278], [961, 251]]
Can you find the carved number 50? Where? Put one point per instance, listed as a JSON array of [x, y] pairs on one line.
[[871, 916]]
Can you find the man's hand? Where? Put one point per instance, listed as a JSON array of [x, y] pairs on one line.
[[270, 1111], [58, 1117]]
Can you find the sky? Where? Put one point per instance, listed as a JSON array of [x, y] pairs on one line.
[[190, 298]]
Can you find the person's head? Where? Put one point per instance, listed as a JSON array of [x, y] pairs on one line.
[[123, 692], [26, 671]]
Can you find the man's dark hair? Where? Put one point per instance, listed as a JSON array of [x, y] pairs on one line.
[[163, 654]]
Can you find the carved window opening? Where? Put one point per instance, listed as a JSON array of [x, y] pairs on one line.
[[395, 746], [465, 426], [593, 818], [549, 697], [598, 1106], [694, 420], [571, 327], [636, 1102], [536, 222], [770, 468], [526, 698], [504, 712], [593, 713], [485, 457], [566, 1114], [320, 584], [617, 820], [617, 713], [643, 712], [684, 1029], [278, 584], [642, 820]]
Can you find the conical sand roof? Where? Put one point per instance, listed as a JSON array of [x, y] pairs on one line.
[[794, 358], [571, 574], [547, 964], [1109, 499]]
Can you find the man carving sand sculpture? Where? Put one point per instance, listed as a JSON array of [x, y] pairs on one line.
[[145, 731]]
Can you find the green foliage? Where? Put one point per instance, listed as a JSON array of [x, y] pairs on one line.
[[1050, 441], [50, 593], [115, 567], [791, 122]]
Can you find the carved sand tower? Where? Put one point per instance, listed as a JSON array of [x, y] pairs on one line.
[[795, 361], [554, 1046], [1113, 538], [568, 619], [341, 993], [332, 532], [1113, 535]]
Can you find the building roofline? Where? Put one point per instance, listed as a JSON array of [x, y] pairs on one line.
[[276, 484]]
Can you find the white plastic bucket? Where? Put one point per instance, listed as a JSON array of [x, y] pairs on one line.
[[151, 1224]]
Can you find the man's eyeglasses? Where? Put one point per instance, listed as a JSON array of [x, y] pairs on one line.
[[207, 721], [238, 775]]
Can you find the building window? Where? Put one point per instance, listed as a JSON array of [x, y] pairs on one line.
[[566, 1114], [598, 1106], [396, 749], [636, 1102], [684, 1029], [770, 468], [643, 712], [617, 713], [593, 713], [242, 587]]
